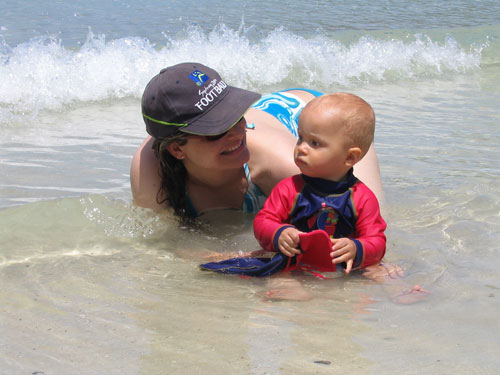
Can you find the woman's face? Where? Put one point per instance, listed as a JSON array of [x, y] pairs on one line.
[[227, 152]]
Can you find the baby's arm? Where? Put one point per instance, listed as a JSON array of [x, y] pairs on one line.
[[273, 219], [288, 241], [367, 246]]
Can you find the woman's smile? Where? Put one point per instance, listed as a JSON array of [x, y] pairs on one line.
[[234, 148]]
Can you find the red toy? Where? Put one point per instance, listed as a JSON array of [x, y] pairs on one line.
[[316, 247]]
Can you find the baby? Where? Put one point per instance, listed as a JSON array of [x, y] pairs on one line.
[[335, 132]]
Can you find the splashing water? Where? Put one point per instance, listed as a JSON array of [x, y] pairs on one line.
[[43, 74]]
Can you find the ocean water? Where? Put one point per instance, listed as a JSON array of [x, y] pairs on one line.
[[93, 285]]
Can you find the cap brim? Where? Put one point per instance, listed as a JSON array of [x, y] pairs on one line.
[[224, 114]]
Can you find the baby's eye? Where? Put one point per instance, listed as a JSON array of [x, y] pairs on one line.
[[315, 143]]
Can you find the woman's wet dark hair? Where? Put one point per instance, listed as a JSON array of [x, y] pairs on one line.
[[173, 175]]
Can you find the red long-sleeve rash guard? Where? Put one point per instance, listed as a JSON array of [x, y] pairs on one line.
[[343, 209]]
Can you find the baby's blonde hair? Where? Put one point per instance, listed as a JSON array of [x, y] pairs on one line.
[[353, 114]]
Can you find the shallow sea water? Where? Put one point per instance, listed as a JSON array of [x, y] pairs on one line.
[[93, 285]]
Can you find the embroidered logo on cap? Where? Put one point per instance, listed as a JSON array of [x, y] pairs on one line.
[[198, 77]]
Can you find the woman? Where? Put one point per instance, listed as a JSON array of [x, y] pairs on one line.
[[209, 150]]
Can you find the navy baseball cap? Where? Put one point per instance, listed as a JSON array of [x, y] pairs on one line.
[[192, 98]]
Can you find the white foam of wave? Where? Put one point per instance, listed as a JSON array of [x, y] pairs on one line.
[[43, 74]]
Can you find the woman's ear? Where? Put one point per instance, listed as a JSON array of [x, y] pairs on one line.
[[353, 156], [175, 150]]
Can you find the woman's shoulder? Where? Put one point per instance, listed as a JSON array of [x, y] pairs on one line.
[[144, 177]]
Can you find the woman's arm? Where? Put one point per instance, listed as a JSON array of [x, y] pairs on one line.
[[368, 171]]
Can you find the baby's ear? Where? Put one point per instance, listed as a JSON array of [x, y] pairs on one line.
[[353, 156]]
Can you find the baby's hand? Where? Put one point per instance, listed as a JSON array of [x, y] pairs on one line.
[[288, 242], [343, 250]]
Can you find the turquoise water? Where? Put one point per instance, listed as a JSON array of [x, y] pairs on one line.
[[91, 284]]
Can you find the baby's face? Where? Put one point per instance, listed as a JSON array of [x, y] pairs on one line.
[[321, 149]]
